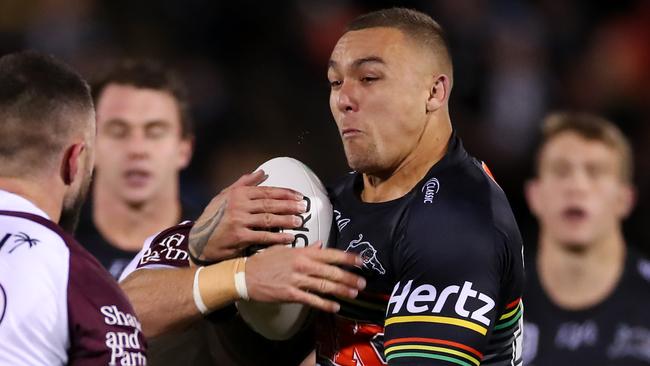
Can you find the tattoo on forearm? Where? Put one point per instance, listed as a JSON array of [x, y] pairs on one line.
[[200, 234]]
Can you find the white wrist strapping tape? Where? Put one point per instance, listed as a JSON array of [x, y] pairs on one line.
[[240, 283], [198, 301]]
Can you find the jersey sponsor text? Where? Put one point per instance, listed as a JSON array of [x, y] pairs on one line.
[[425, 298]]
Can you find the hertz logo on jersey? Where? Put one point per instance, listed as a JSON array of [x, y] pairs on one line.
[[426, 299]]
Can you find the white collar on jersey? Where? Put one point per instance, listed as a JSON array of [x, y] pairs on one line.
[[13, 202]]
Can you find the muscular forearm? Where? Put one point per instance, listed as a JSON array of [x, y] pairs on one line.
[[162, 298], [168, 299]]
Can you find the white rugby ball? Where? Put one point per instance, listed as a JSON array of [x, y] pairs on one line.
[[280, 321]]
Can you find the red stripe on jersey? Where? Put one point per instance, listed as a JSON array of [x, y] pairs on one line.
[[434, 341], [513, 304]]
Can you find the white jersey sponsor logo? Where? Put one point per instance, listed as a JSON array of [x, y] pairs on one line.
[[168, 248], [630, 342], [430, 189], [125, 346], [18, 240], [425, 298], [575, 335]]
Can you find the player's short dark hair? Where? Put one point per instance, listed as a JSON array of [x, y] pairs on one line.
[[415, 24], [589, 127], [43, 102], [148, 74]]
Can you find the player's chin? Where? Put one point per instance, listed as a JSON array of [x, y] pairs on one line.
[[576, 241], [360, 161], [137, 197]]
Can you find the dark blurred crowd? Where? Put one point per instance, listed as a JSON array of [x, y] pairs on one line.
[[258, 88]]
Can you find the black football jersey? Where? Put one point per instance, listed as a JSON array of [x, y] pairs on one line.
[[444, 272], [615, 332]]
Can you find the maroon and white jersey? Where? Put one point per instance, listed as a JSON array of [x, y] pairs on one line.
[[220, 338], [58, 305]]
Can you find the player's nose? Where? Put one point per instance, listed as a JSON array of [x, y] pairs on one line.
[[136, 145], [347, 99]]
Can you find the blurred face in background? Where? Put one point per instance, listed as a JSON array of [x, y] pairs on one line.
[[140, 149], [380, 83], [580, 195]]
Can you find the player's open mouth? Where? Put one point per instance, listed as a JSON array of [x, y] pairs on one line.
[[136, 177], [574, 213]]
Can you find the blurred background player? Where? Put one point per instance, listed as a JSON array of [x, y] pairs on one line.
[[58, 306], [144, 140], [587, 293]]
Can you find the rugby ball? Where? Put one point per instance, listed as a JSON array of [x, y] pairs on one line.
[[280, 321]]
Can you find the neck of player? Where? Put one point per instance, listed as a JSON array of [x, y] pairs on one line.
[[50, 200], [580, 278], [398, 180], [126, 225]]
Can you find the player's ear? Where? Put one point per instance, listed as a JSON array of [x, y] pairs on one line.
[[627, 200], [70, 164], [185, 150], [532, 193], [438, 93]]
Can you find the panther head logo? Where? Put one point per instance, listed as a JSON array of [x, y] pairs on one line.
[[368, 253]]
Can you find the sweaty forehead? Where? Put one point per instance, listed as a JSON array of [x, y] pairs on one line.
[[381, 42]]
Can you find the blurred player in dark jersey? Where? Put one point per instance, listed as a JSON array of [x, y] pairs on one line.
[[58, 306], [144, 140], [442, 252], [587, 295]]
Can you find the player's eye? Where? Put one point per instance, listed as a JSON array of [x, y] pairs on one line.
[[116, 130], [560, 170], [335, 84], [595, 171], [369, 79], [157, 130]]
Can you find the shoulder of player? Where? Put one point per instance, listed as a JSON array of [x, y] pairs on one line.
[[463, 200], [35, 255], [25, 238], [464, 191]]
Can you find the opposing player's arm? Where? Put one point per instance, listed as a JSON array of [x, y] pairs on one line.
[[158, 282], [162, 298], [447, 301], [168, 294]]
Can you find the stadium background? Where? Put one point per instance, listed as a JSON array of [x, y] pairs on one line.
[[257, 75]]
